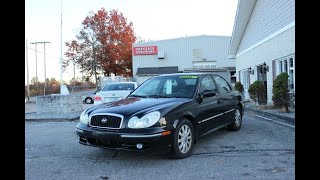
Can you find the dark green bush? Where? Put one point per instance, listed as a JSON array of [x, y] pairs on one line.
[[256, 90], [239, 87], [280, 92]]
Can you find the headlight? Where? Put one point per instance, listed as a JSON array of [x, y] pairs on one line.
[[84, 118], [144, 122]]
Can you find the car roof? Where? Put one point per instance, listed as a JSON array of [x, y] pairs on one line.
[[190, 74], [122, 82]]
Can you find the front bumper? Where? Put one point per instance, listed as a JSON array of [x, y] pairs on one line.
[[124, 139]]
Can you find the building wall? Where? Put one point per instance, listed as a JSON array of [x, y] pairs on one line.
[[179, 52], [275, 48], [268, 16]]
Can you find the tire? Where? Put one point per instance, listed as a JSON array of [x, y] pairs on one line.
[[88, 100], [236, 125], [184, 148]]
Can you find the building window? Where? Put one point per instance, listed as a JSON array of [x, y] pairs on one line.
[[280, 68], [204, 64], [286, 65], [233, 77], [197, 54]]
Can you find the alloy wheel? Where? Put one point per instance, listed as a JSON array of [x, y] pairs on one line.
[[184, 138], [237, 118]]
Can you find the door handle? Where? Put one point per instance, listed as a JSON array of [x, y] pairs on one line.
[[219, 101]]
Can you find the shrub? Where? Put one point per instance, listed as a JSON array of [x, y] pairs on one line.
[[256, 90], [280, 92], [239, 87]]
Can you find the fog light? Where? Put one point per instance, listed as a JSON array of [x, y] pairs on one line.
[[139, 146]]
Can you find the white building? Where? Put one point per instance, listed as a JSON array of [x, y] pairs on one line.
[[209, 53], [263, 42]]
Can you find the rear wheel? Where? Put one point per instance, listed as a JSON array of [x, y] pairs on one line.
[[183, 140], [236, 125], [88, 100]]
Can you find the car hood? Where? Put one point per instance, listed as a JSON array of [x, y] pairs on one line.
[[133, 106]]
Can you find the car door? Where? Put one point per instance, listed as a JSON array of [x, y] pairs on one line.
[[209, 109], [226, 98]]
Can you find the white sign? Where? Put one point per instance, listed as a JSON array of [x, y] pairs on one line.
[[64, 90]]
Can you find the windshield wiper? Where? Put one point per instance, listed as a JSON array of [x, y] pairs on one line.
[[158, 96], [133, 95]]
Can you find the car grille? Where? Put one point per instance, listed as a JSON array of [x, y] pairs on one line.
[[106, 121]]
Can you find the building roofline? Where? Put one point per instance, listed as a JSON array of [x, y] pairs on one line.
[[217, 36], [243, 15]]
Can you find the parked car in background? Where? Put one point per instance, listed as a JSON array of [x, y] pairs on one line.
[[114, 91], [169, 111], [89, 97]]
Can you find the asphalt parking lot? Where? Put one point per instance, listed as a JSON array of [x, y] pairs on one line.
[[260, 150]]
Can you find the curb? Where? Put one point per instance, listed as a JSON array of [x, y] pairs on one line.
[[264, 113], [53, 119]]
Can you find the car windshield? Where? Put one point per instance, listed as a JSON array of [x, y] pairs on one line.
[[177, 86]]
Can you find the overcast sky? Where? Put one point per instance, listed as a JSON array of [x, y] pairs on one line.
[[152, 20]]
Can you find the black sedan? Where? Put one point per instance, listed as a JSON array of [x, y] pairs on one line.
[[169, 111]]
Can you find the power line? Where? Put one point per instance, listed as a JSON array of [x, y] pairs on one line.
[[46, 53]]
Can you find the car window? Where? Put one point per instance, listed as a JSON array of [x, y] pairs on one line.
[[207, 84], [168, 86], [222, 84], [118, 87]]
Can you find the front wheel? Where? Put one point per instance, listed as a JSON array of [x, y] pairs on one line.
[[183, 139], [236, 125]]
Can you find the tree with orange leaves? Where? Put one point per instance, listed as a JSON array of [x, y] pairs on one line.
[[104, 42]]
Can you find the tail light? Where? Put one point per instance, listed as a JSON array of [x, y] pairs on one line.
[[97, 98]]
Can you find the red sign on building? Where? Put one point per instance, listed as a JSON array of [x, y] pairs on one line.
[[145, 50]]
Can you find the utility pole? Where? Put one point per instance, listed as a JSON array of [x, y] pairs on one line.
[[35, 44], [28, 90], [61, 52], [44, 53], [45, 67], [94, 65]]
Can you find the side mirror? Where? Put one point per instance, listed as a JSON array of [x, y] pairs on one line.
[[204, 94], [208, 93]]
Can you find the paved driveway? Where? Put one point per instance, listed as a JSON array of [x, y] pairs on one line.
[[260, 150]]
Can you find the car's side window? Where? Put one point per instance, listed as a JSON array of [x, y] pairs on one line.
[[207, 84], [222, 84]]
